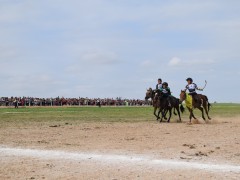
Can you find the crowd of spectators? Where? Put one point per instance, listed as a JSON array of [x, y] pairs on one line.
[[31, 101]]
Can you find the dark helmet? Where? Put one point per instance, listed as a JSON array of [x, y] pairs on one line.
[[189, 79], [165, 83]]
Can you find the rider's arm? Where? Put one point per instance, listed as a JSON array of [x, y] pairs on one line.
[[169, 91], [200, 89]]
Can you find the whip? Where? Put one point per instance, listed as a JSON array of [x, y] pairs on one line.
[[205, 85]]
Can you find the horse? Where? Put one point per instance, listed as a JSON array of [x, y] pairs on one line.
[[174, 103], [192, 104], [155, 101], [156, 104]]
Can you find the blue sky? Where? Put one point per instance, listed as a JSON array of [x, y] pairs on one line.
[[106, 48]]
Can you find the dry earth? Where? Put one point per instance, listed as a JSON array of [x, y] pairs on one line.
[[146, 150]]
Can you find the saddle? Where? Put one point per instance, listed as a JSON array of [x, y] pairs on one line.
[[197, 99], [189, 101]]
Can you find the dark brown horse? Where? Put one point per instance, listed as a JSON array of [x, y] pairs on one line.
[[174, 104], [155, 101], [202, 104]]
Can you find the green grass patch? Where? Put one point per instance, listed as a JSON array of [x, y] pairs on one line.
[[75, 114], [225, 110], [8, 116]]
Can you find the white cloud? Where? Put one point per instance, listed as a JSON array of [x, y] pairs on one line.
[[175, 61], [146, 63], [99, 57], [32, 85], [100, 62]]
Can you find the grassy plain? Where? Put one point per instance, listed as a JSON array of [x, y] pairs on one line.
[[94, 114]]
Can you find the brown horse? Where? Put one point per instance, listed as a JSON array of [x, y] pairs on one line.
[[155, 101], [202, 105], [157, 104]]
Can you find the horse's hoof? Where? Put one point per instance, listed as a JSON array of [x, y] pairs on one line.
[[209, 118]]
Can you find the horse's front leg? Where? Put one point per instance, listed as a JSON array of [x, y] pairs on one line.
[[164, 113], [154, 112], [191, 114], [159, 111]]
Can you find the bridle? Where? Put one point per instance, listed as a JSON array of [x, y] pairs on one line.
[[183, 96]]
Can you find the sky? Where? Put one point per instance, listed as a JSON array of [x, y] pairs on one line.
[[119, 48]]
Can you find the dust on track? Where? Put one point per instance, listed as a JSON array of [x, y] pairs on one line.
[[216, 143]]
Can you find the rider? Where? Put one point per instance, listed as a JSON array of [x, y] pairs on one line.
[[166, 92], [159, 84], [192, 87]]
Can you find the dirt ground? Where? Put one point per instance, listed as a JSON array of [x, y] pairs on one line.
[[214, 143]]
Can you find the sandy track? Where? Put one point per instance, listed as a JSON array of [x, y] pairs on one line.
[[148, 149], [127, 160]]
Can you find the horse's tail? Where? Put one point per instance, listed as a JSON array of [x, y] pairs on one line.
[[209, 105], [175, 112], [182, 109]]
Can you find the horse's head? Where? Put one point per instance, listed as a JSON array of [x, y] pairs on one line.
[[149, 94], [182, 96]]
